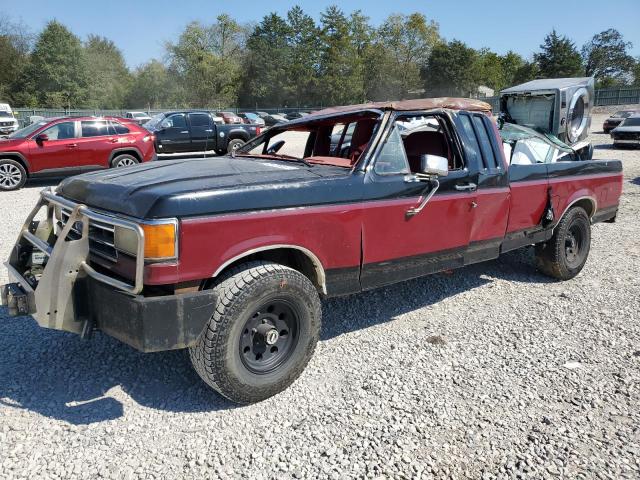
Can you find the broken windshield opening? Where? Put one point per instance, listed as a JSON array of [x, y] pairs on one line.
[[337, 141]]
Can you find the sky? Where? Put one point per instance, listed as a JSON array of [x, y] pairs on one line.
[[141, 27]]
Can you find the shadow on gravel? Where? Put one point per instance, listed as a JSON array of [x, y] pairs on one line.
[[603, 146], [44, 182], [355, 312], [60, 376], [636, 181]]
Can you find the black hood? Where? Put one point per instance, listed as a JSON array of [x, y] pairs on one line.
[[206, 186]]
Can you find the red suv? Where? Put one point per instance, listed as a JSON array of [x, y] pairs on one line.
[[66, 146]]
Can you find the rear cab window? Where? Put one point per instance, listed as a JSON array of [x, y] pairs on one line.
[[479, 133]]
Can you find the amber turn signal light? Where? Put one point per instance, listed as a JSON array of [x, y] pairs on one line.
[[159, 240]]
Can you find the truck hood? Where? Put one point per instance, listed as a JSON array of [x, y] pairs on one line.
[[206, 186]]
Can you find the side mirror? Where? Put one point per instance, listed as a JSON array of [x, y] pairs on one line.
[[43, 137], [434, 165], [275, 147]]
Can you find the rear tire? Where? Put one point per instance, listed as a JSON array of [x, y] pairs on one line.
[[262, 334], [13, 175], [565, 254], [234, 144], [124, 160]]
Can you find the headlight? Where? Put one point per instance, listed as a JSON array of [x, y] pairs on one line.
[[159, 240]]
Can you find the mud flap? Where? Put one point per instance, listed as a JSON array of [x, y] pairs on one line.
[[54, 294]]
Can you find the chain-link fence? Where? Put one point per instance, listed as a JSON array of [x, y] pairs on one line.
[[607, 96]]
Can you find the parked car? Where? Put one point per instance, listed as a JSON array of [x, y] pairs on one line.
[[616, 119], [8, 123], [196, 131], [230, 256], [273, 119], [230, 117], [66, 146], [139, 117], [627, 133], [252, 118], [262, 114], [295, 115]]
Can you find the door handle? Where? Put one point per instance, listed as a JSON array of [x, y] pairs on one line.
[[72, 145], [184, 131], [209, 131], [113, 140], [466, 187]]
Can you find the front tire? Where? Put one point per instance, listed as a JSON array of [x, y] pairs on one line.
[[565, 254], [13, 175], [262, 334]]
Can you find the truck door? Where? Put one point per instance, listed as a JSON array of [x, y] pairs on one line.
[[529, 182], [484, 148], [396, 246], [201, 127], [174, 135]]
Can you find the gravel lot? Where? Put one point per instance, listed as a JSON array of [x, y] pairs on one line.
[[492, 371]]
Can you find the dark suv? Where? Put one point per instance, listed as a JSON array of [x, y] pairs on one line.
[[66, 146]]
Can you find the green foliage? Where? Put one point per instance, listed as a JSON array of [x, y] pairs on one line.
[[109, 78], [57, 75], [558, 58], [206, 59], [452, 70], [607, 59], [290, 60], [407, 42], [152, 87]]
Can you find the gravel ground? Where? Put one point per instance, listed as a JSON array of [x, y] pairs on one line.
[[492, 371]]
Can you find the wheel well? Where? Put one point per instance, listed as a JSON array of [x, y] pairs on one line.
[[290, 257], [586, 203], [15, 158], [125, 152], [238, 136]]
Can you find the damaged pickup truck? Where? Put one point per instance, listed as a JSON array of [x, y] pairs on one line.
[[230, 256]]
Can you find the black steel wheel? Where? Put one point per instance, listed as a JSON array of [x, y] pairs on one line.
[[566, 253], [269, 336], [262, 334]]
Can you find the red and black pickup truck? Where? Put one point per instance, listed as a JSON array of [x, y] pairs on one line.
[[230, 256]]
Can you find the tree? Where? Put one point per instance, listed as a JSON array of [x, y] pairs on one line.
[[109, 76], [512, 64], [207, 59], [489, 69], [15, 43], [528, 71], [303, 44], [452, 70], [341, 70], [408, 41], [152, 87], [635, 71], [606, 57], [57, 74], [266, 65], [558, 57]]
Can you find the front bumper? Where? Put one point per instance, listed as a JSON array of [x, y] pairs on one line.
[[54, 282], [8, 130], [148, 324], [627, 142]]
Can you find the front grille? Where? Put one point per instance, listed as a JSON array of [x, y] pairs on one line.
[[101, 236], [6, 124]]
